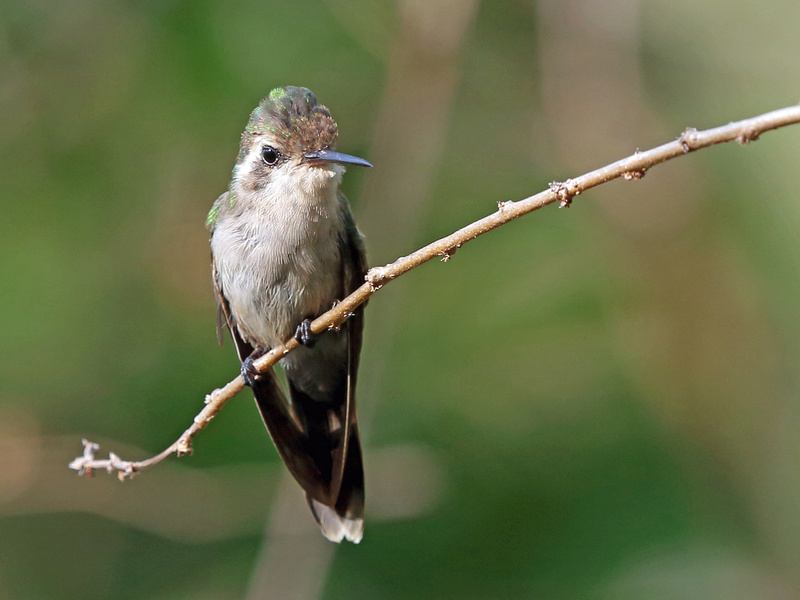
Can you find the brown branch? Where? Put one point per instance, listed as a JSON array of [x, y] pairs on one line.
[[632, 167]]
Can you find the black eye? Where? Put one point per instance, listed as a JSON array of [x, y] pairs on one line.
[[270, 155]]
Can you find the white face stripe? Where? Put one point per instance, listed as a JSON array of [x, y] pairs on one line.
[[286, 178], [244, 168]]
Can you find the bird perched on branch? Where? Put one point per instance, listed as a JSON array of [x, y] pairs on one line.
[[284, 249]]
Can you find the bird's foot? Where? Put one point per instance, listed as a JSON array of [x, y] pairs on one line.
[[304, 335], [249, 373]]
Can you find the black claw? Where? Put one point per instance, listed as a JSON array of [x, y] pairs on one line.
[[249, 373], [304, 335]]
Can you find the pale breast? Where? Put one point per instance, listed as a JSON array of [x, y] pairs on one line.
[[276, 268]]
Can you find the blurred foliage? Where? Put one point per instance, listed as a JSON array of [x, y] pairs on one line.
[[606, 398]]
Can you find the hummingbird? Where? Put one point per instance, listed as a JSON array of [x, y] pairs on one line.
[[284, 249]]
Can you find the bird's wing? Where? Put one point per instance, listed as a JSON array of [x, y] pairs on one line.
[[341, 516], [350, 500]]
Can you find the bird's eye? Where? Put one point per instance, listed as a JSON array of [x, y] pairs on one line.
[[270, 155]]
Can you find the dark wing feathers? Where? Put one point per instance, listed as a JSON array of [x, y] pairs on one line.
[[350, 500]]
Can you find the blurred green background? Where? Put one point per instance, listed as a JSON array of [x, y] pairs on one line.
[[601, 402]]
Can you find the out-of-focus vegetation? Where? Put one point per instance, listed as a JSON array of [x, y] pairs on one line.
[[601, 402]]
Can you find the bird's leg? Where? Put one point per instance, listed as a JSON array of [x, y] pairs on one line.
[[249, 373], [304, 335]]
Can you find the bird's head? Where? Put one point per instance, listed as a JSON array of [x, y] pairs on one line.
[[290, 141]]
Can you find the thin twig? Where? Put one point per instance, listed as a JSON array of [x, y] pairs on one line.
[[632, 167]]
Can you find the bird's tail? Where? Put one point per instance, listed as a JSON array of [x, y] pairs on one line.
[[319, 444], [345, 519]]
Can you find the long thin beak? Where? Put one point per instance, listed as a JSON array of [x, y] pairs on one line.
[[326, 155]]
